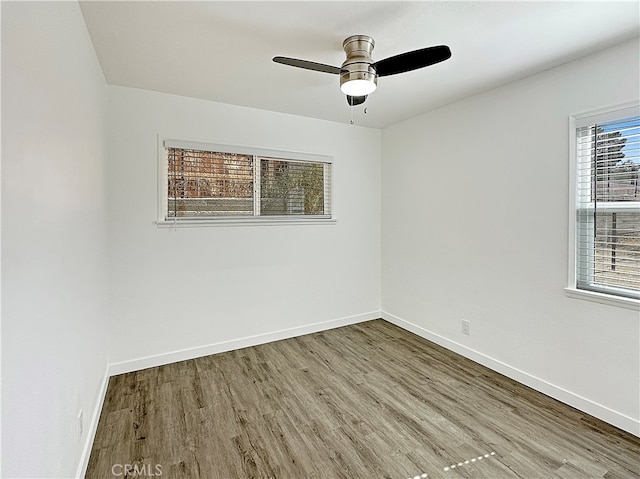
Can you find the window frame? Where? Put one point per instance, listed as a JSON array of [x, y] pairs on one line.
[[258, 154], [575, 122]]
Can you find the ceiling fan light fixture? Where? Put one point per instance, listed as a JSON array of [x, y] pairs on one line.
[[358, 87], [358, 83]]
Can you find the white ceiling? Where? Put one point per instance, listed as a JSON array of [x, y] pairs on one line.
[[222, 51]]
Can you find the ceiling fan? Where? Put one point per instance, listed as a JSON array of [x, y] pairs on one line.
[[359, 73]]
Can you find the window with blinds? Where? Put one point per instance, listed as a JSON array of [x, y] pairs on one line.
[[212, 183], [608, 204]]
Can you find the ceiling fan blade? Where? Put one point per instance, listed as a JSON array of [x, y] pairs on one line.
[[319, 67], [408, 61], [356, 100]]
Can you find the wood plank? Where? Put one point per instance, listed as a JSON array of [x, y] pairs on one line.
[[367, 400]]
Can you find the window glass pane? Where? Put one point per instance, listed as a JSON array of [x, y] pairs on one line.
[[617, 250], [206, 183], [291, 188], [616, 166]]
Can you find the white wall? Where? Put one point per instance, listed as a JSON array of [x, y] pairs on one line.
[[475, 226], [175, 290], [54, 253]]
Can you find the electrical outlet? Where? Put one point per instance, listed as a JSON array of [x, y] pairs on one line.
[[80, 423], [465, 326]]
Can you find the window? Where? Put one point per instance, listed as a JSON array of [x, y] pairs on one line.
[[607, 203], [207, 183]]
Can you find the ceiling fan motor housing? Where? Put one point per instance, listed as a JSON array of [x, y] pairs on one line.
[[357, 66]]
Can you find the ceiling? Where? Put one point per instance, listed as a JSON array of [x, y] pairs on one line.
[[222, 51]]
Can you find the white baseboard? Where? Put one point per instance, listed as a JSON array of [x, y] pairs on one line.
[[604, 413], [199, 351], [93, 426]]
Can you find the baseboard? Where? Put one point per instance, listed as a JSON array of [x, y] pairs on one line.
[[192, 353], [93, 426], [604, 413]]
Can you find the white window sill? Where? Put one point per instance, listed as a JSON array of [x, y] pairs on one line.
[[628, 303], [248, 221]]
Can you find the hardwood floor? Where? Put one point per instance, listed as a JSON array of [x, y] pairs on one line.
[[364, 401]]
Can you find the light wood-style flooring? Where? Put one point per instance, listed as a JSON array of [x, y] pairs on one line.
[[363, 401]]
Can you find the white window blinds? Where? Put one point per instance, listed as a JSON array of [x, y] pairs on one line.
[[608, 205], [214, 182]]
